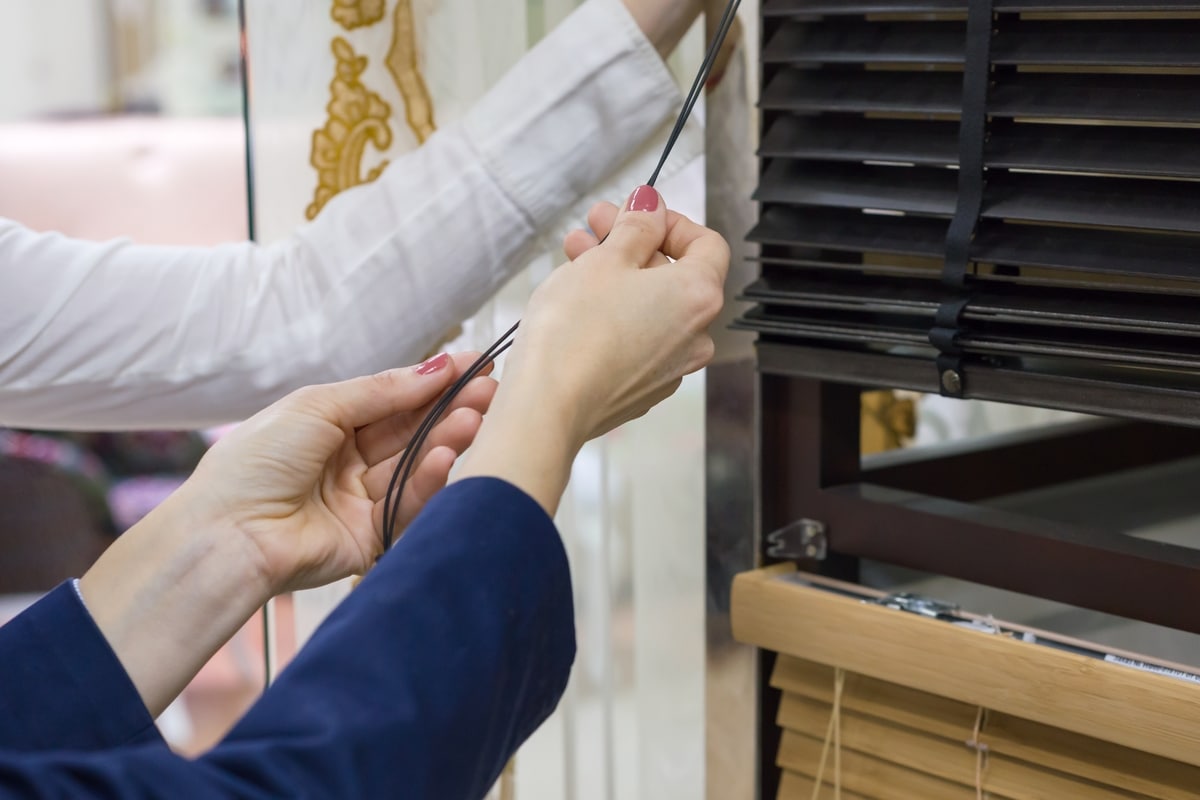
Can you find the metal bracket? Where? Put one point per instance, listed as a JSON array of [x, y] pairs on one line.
[[803, 539], [916, 604]]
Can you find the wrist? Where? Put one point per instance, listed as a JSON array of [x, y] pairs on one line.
[[168, 593], [664, 24], [537, 391], [202, 536], [528, 441]]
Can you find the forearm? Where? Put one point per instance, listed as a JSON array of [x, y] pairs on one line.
[[168, 594]]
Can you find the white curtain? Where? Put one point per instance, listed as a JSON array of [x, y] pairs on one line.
[[632, 722]]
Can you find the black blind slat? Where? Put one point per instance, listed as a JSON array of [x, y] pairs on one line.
[[836, 330], [1153, 205], [902, 141], [1161, 152], [1096, 251], [877, 296], [1113, 347], [863, 92], [851, 232], [1099, 6], [1103, 310], [777, 8], [1101, 252], [864, 43], [1115, 43], [1115, 202], [1109, 43], [1133, 98], [914, 191], [1137, 98], [1138, 151]]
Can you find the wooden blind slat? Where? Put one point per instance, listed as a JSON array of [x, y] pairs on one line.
[[1046, 746], [942, 758], [794, 786], [873, 777], [927, 712], [1141, 710]]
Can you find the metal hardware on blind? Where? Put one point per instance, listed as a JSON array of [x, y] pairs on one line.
[[947, 327], [1086, 243], [920, 605], [804, 538]]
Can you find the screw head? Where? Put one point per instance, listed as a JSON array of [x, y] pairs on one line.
[[952, 381]]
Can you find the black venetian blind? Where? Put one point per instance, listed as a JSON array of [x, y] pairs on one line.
[[1080, 249]]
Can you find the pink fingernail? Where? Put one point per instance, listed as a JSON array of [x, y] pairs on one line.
[[433, 365], [644, 198]]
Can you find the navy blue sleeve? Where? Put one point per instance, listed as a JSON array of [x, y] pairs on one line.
[[61, 685], [420, 686]]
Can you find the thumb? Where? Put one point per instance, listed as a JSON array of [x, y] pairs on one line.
[[640, 228]]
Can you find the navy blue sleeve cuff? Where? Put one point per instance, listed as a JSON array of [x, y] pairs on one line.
[[63, 686], [423, 683]]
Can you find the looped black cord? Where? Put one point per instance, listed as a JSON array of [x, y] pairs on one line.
[[409, 458], [404, 468], [972, 139]]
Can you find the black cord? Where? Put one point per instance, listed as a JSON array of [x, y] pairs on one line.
[[405, 465], [408, 459], [706, 67]]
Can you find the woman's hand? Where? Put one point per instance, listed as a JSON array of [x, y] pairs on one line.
[[305, 480], [604, 338], [621, 324], [291, 498]]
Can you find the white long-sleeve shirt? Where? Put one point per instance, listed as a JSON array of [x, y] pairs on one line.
[[117, 335]]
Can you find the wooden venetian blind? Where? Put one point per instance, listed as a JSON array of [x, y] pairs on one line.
[[1059, 138], [888, 704]]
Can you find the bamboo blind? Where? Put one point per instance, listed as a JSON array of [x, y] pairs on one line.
[[885, 705]]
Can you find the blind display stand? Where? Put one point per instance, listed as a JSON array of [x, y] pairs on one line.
[[1080, 287]]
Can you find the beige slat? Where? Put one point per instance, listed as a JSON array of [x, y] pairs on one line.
[[1122, 767], [794, 786], [921, 710], [1145, 711], [870, 776], [948, 759]]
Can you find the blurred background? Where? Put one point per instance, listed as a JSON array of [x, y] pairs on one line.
[[118, 118]]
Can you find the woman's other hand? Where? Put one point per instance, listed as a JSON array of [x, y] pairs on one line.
[[305, 480], [605, 337], [291, 498]]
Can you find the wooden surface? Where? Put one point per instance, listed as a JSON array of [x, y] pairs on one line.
[[808, 689], [1153, 713], [868, 776]]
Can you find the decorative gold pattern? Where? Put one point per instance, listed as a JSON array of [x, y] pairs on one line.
[[351, 14], [357, 117], [402, 63]]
